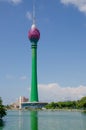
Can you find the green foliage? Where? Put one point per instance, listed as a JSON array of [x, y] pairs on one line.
[[8, 107], [2, 110], [60, 105], [80, 104], [2, 123]]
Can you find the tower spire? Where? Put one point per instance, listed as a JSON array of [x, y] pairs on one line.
[[34, 14]]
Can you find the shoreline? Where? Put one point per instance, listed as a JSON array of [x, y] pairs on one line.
[[44, 109]]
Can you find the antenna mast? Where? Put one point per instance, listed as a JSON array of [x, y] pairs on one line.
[[34, 14]]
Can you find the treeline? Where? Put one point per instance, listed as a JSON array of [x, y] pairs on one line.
[[80, 104]]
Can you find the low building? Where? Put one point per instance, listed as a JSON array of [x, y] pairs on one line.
[[17, 103]]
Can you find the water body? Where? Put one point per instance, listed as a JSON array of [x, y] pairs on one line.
[[44, 120]]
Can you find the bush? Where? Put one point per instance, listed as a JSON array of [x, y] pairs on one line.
[[2, 109]]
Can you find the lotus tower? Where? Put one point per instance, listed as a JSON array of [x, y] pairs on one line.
[[34, 36]]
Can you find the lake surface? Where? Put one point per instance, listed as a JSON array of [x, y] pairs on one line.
[[44, 120]]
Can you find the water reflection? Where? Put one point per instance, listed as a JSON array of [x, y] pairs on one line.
[[84, 119], [50, 120], [2, 124], [34, 120], [20, 121], [27, 120]]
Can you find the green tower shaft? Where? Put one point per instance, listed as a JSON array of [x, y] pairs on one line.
[[34, 86], [34, 120]]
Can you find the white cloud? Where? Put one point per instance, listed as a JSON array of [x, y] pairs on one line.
[[54, 92], [9, 77], [23, 78], [29, 16], [12, 1], [16, 1], [80, 4]]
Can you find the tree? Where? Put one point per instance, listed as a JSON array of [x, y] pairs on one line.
[[82, 103], [2, 109], [79, 104]]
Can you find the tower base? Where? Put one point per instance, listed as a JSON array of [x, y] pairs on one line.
[[33, 105]]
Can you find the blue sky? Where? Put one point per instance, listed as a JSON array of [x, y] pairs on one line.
[[61, 49]]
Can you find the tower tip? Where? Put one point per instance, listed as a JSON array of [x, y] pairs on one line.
[[33, 26]]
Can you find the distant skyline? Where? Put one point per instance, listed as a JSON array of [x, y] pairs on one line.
[[61, 49]]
